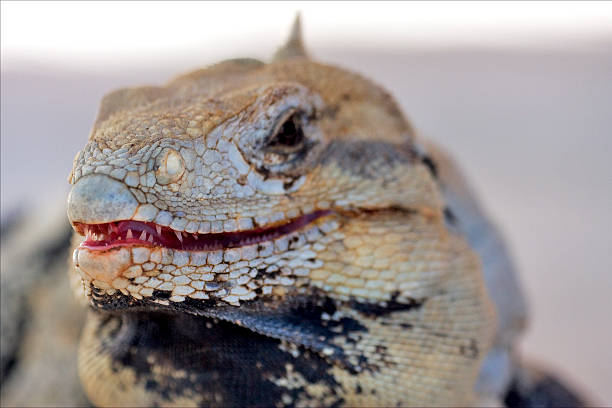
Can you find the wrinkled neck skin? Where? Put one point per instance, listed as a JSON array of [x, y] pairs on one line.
[[269, 235]]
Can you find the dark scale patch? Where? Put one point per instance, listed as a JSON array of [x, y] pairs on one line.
[[299, 321], [390, 306], [368, 159], [231, 330], [225, 364], [312, 312], [431, 165], [161, 294], [296, 319]]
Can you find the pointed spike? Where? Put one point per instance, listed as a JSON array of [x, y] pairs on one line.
[[129, 234], [179, 235], [143, 236], [150, 239], [110, 229], [294, 47], [158, 229], [195, 236]]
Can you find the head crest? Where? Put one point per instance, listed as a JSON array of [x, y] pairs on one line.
[[294, 47]]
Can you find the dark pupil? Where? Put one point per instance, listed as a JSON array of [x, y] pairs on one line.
[[290, 134]]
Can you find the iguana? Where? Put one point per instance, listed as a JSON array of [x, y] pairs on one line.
[[276, 235]]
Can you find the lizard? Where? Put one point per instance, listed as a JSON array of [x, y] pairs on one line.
[[278, 234]]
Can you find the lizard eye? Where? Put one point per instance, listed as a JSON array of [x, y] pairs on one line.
[[288, 142], [281, 134], [288, 136]]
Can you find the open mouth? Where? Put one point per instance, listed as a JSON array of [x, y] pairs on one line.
[[137, 233]]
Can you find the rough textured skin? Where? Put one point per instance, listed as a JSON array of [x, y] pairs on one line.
[[376, 299]]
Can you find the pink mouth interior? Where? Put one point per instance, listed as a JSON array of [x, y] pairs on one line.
[[137, 233]]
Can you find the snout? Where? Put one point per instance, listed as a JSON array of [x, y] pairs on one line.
[[97, 198]]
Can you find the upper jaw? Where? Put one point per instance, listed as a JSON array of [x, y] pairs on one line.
[[107, 209]]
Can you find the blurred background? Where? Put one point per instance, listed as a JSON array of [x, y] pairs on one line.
[[520, 93]]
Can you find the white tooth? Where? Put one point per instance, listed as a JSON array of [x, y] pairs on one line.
[[110, 229], [150, 238], [143, 236], [119, 238], [129, 234], [87, 232], [195, 236], [179, 235], [158, 229]]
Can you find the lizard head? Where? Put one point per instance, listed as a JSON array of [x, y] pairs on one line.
[[285, 199], [231, 165]]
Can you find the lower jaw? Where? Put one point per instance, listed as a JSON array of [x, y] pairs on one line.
[[121, 268]]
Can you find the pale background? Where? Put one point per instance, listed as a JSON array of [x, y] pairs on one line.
[[521, 93]]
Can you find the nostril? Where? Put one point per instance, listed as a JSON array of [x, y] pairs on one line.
[[97, 198]]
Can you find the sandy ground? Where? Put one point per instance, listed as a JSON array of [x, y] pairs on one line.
[[532, 130]]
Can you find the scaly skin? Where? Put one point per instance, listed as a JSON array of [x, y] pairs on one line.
[[371, 300]]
